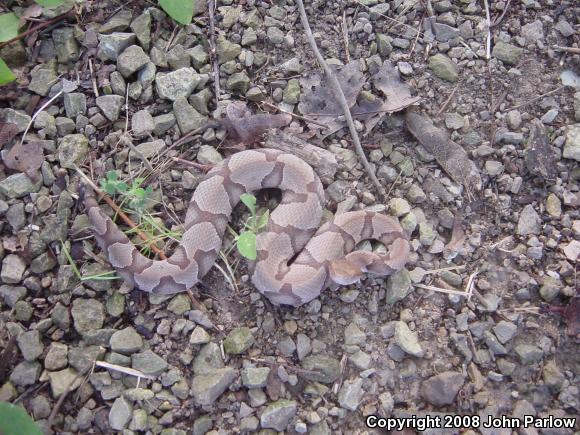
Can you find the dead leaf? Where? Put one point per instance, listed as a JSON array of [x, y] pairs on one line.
[[571, 313], [455, 245], [540, 159], [450, 155], [7, 132], [27, 158], [318, 100], [398, 93], [243, 126]]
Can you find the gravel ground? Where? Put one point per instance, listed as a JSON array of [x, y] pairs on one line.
[[132, 84]]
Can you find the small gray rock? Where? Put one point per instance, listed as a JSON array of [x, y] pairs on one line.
[[572, 145], [507, 53], [126, 341], [177, 84], [88, 315], [111, 46], [350, 394], [529, 222], [142, 124], [255, 377], [277, 415], [131, 60], [528, 354], [72, 150], [187, 117], [120, 414], [321, 368], [206, 388], [441, 389], [30, 345], [407, 340], [238, 340], [13, 268], [148, 363], [443, 67], [111, 106]]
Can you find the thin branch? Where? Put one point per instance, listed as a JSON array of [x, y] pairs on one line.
[[488, 29], [341, 99], [64, 394], [122, 369]]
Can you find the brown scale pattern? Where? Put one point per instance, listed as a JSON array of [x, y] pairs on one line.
[[324, 256]]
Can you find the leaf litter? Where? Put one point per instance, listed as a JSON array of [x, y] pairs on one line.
[[319, 102]]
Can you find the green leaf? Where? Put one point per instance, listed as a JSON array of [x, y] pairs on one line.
[[112, 176], [263, 220], [15, 421], [49, 3], [246, 245], [121, 186], [180, 10], [139, 192], [249, 201], [6, 76], [9, 24]]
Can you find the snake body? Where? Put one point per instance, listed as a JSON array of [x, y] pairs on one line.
[[324, 255]]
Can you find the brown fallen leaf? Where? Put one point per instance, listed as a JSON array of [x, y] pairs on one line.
[[8, 131], [245, 127], [27, 158], [450, 155]]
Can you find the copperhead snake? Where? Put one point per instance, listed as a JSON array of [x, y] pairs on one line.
[[325, 255]]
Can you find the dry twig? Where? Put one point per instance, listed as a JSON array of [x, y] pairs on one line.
[[213, 52], [573, 50], [333, 81]]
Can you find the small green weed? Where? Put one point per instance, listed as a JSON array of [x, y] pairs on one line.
[[134, 194], [246, 240], [104, 276]]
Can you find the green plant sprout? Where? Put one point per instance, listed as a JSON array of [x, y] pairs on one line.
[[103, 276], [246, 240]]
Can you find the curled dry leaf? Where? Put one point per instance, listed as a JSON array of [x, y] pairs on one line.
[[450, 155], [455, 245], [27, 158], [8, 131], [243, 126]]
